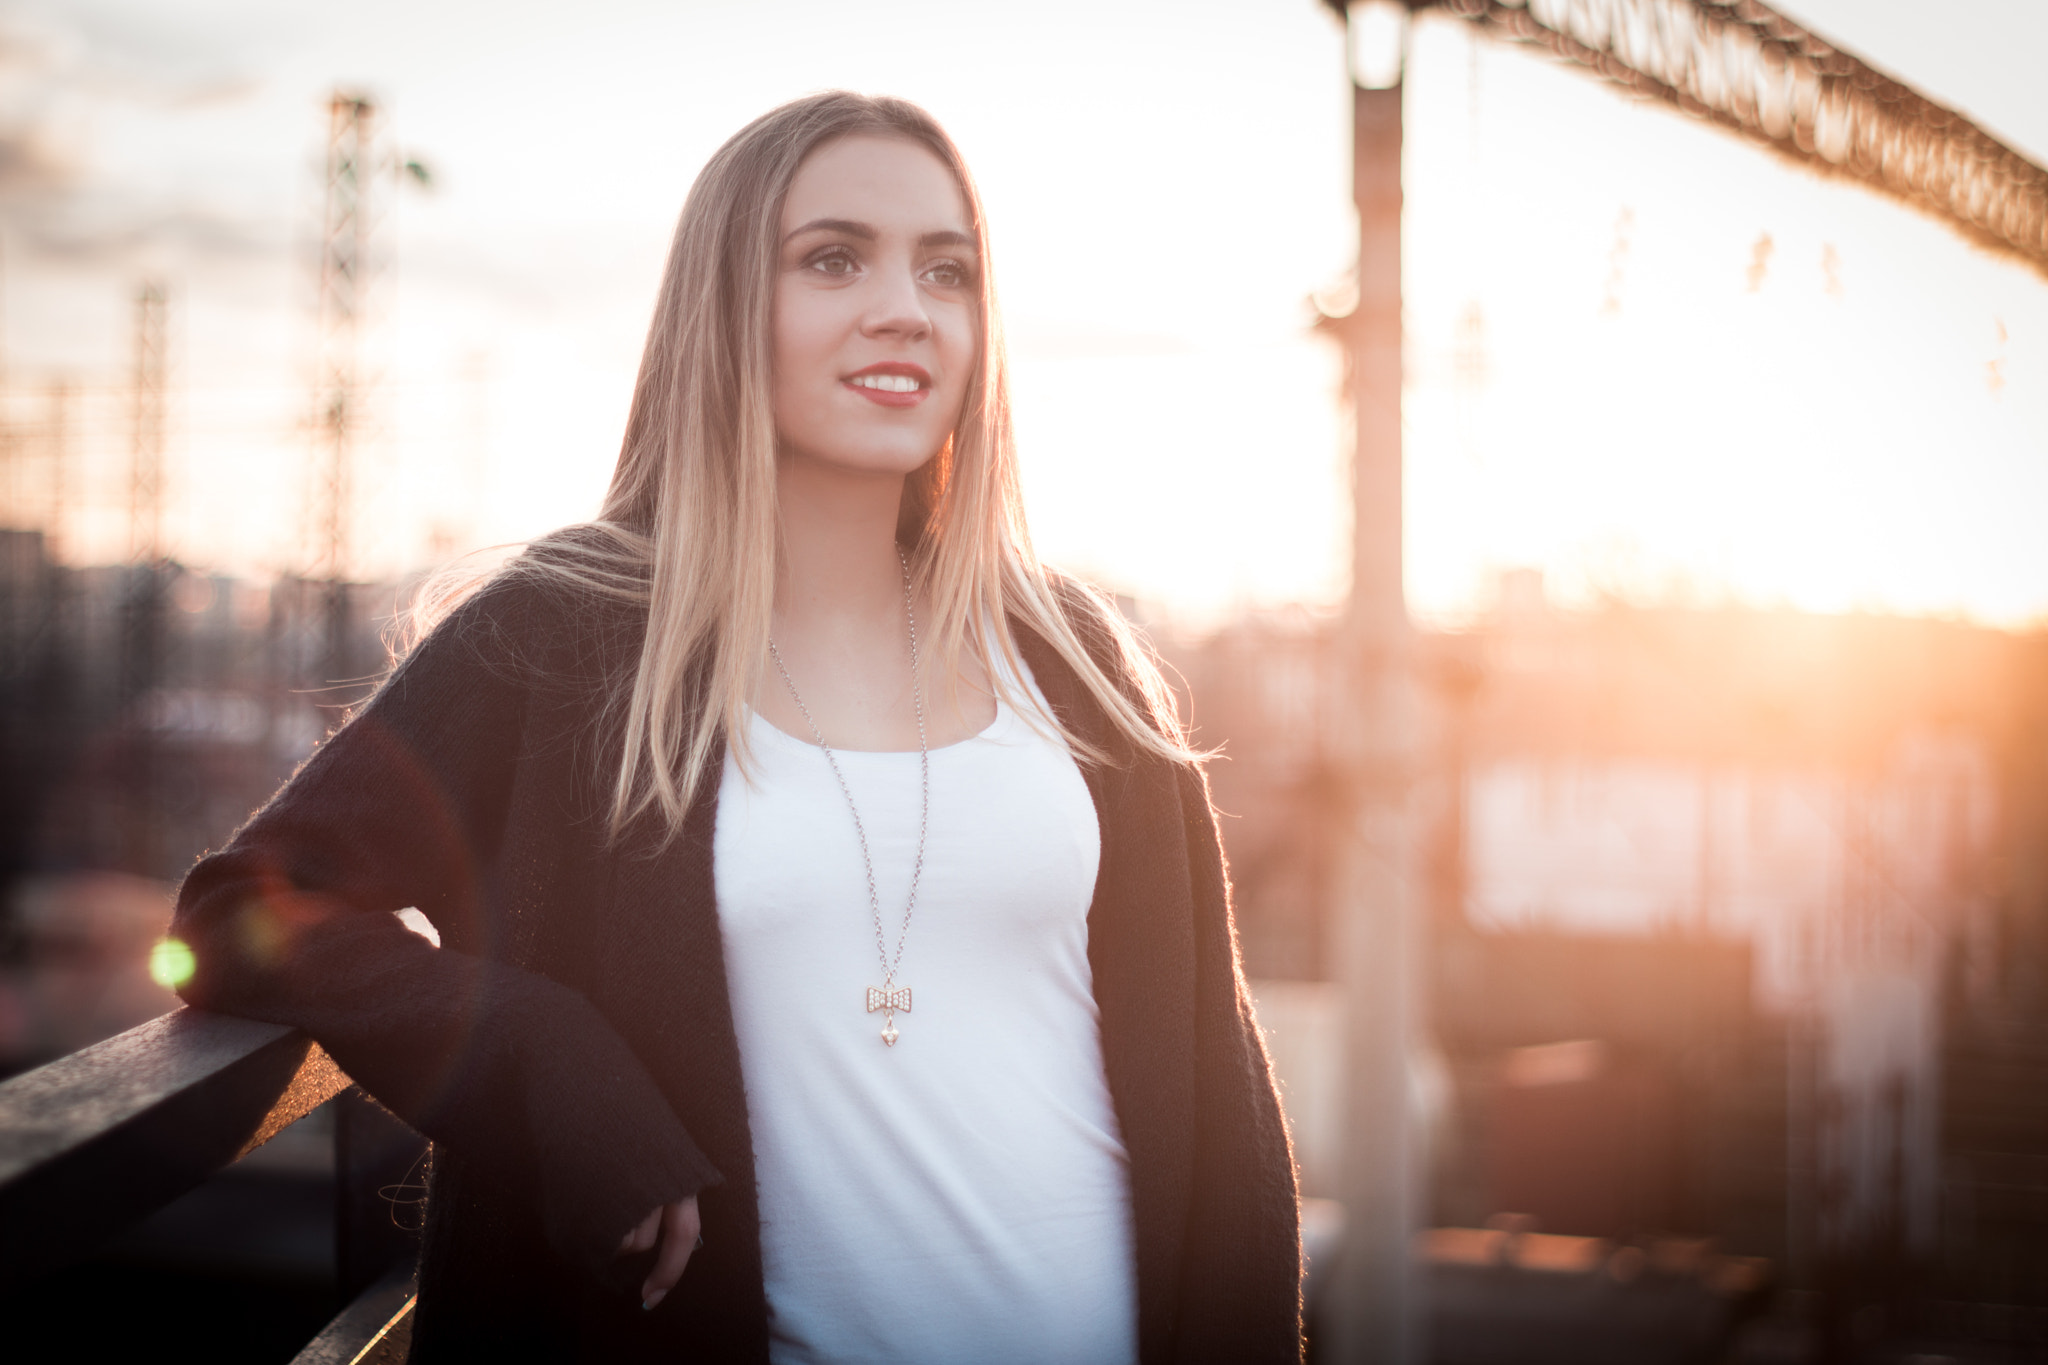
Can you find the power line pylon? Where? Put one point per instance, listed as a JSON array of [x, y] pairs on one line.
[[142, 624], [10, 496], [56, 521], [146, 430], [345, 270]]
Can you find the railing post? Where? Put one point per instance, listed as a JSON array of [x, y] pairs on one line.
[[379, 1192]]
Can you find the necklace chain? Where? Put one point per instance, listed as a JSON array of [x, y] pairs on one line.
[[890, 962]]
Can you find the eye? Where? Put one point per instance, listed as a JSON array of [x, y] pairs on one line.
[[948, 274], [833, 260]]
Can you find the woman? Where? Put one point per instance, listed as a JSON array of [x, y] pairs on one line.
[[835, 957]]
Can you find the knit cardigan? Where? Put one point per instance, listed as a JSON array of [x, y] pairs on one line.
[[569, 1048]]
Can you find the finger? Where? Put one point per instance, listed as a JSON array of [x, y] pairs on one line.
[[683, 1219], [679, 1230], [642, 1237], [679, 1238], [650, 1231]]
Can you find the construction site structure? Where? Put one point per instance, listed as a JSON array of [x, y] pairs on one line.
[[1376, 931], [1745, 68], [1750, 70]]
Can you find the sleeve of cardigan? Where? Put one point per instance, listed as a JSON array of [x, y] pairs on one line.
[[404, 806], [1247, 1211]]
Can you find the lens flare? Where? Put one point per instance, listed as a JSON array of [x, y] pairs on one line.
[[171, 963]]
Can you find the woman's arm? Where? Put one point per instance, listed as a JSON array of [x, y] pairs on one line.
[[406, 806]]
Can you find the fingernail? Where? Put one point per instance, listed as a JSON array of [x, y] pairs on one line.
[[647, 1304]]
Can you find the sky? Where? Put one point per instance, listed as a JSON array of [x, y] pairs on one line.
[[1601, 383]]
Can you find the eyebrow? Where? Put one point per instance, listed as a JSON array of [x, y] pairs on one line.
[[862, 232]]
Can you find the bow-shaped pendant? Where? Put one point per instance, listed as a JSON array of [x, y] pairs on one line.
[[889, 999]]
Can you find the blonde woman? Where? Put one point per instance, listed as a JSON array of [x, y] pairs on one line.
[[835, 958]]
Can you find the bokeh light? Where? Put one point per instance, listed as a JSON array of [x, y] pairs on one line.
[[171, 963]]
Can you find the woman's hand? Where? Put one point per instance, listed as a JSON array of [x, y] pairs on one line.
[[676, 1227]]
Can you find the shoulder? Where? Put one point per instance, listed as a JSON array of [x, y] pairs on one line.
[[542, 618], [1093, 616], [1119, 653]]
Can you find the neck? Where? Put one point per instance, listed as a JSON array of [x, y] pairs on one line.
[[838, 563]]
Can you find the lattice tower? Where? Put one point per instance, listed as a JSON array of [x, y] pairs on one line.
[[146, 426], [344, 285]]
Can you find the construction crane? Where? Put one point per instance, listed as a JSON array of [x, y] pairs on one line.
[[1750, 70], [1745, 68]]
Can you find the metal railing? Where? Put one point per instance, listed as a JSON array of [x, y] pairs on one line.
[[95, 1141]]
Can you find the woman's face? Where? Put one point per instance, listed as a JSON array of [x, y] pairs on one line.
[[876, 297]]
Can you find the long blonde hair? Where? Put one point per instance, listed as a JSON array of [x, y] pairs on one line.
[[689, 524]]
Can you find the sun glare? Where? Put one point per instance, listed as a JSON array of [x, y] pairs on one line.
[[1656, 363], [1643, 356], [171, 963]]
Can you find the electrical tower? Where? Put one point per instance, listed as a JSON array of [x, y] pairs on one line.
[[345, 269], [142, 623], [10, 499], [60, 418], [146, 430], [371, 1149]]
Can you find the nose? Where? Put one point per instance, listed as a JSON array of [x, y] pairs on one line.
[[896, 308]]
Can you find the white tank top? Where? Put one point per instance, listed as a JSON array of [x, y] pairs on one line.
[[965, 1194]]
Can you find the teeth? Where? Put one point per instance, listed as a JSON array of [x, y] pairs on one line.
[[887, 383]]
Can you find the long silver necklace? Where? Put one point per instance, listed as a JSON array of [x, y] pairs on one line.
[[888, 997]]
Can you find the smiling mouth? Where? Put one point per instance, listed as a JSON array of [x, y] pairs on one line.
[[886, 383], [892, 384]]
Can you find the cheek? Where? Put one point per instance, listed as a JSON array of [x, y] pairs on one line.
[[961, 345], [799, 367], [789, 338], [808, 329]]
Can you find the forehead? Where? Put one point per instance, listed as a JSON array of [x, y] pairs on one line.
[[882, 181]]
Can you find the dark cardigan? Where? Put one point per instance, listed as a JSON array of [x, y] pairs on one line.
[[570, 1049]]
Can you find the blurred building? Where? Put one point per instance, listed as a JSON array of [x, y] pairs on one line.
[[145, 712], [1738, 969], [1740, 930]]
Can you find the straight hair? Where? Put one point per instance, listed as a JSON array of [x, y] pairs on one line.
[[689, 525]]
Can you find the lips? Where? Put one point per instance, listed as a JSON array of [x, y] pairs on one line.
[[891, 383]]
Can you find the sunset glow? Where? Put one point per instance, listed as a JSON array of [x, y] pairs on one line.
[[1643, 356]]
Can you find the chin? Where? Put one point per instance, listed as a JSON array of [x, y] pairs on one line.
[[880, 460]]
